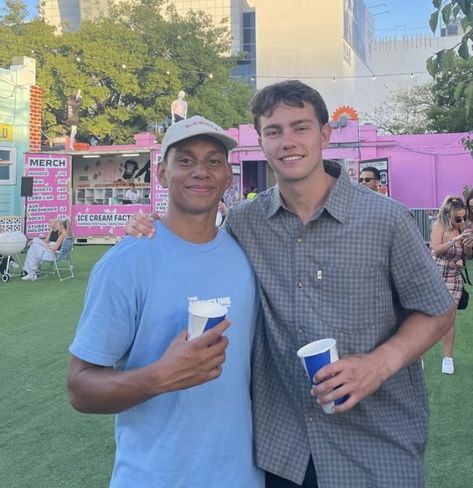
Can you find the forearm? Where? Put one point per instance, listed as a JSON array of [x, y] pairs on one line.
[[97, 389], [417, 334], [443, 247]]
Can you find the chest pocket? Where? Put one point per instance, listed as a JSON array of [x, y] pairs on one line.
[[351, 297]]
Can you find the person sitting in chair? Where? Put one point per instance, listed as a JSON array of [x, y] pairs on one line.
[[43, 251], [131, 195]]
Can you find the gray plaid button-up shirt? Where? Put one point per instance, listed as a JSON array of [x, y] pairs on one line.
[[352, 273]]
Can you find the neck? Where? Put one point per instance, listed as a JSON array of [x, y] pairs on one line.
[[306, 196], [198, 229]]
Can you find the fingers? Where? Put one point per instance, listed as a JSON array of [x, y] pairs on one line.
[[213, 335], [140, 225]]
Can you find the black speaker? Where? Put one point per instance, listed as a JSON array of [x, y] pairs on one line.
[[26, 186]]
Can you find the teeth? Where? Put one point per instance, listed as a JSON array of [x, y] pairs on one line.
[[291, 158]]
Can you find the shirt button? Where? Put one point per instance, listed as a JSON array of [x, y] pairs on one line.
[[310, 419], [300, 331], [299, 284], [300, 240]]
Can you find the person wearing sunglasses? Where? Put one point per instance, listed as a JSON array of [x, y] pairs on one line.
[[370, 177], [449, 244]]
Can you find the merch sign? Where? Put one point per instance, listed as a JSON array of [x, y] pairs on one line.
[[51, 196]]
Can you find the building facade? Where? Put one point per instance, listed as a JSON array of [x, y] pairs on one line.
[[20, 131], [68, 14]]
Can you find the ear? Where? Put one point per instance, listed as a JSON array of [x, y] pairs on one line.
[[325, 133], [161, 175], [229, 176]]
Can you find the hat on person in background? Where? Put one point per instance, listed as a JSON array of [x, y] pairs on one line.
[[195, 126]]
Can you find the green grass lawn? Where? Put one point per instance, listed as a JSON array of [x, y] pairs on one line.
[[44, 443]]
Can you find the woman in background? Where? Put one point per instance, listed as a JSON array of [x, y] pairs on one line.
[[43, 251], [469, 209], [449, 244]]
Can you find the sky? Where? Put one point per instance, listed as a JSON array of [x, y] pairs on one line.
[[396, 18], [393, 18]]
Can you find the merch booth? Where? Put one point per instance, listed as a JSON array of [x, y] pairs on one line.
[[88, 187]]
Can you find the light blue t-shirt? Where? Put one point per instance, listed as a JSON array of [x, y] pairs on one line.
[[136, 304]]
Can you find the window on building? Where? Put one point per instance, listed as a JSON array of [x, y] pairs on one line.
[[249, 35], [246, 68], [7, 166]]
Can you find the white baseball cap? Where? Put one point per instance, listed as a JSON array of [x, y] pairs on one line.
[[195, 126]]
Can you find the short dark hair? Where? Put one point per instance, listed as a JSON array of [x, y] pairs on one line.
[[293, 93], [373, 170]]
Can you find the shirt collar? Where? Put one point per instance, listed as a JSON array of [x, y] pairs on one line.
[[338, 199]]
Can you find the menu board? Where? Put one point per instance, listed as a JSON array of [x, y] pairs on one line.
[[51, 197]]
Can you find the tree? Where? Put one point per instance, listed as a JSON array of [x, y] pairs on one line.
[[450, 90], [404, 112], [15, 13], [129, 66], [444, 60]]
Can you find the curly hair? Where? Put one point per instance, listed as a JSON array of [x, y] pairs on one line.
[[450, 206]]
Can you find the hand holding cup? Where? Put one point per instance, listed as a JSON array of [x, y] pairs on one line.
[[315, 356]]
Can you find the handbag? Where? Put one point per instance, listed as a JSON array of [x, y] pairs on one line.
[[463, 303]]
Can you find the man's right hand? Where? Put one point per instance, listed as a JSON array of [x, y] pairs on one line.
[[98, 389], [190, 363], [140, 225]]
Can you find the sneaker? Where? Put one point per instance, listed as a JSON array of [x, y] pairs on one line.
[[447, 366], [29, 277]]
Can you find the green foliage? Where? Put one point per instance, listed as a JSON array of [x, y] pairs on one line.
[[466, 191], [404, 111], [15, 13], [452, 90], [129, 66], [443, 60]]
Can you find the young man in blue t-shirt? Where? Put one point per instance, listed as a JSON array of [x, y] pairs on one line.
[[183, 406]]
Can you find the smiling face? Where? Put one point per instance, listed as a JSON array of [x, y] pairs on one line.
[[196, 173], [292, 139]]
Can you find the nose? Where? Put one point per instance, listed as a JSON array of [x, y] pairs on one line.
[[200, 170], [287, 140]]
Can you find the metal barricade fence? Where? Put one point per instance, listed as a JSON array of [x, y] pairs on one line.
[[424, 218]]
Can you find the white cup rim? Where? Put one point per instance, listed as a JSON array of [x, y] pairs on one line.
[[316, 347], [216, 309]]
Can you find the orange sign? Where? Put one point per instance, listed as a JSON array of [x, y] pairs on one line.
[[349, 112]]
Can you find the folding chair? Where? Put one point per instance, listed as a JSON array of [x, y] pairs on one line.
[[61, 261]]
